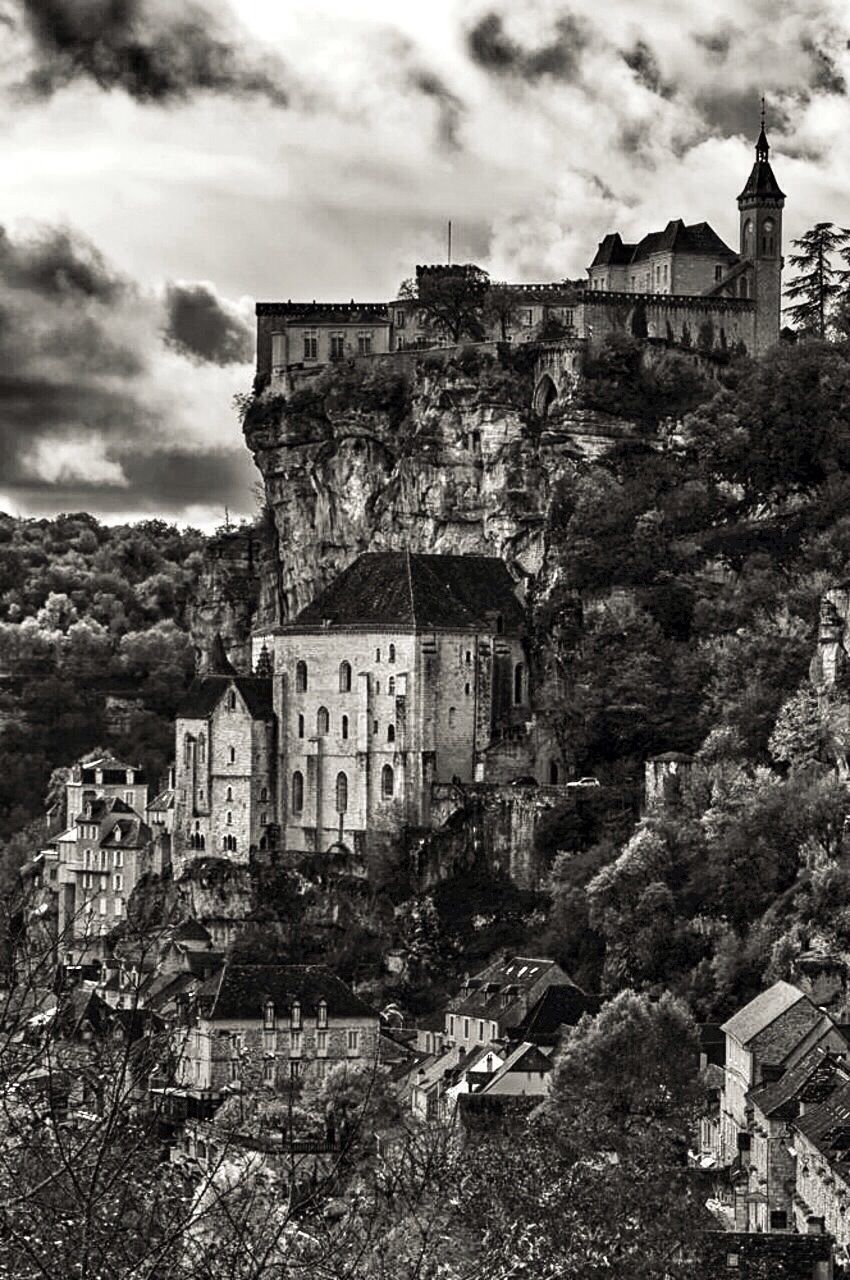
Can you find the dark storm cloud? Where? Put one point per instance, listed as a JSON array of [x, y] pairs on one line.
[[642, 61], [495, 51], [155, 50], [200, 326], [826, 78], [83, 404], [449, 106], [716, 43]]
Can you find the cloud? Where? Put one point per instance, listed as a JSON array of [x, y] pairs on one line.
[[449, 106], [492, 49], [203, 327], [642, 61], [113, 397], [157, 51]]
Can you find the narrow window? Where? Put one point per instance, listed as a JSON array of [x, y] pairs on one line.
[[231, 701], [311, 344], [468, 658], [300, 726], [387, 782], [323, 721], [297, 791], [518, 682], [718, 273], [295, 1017], [323, 1013], [345, 726], [374, 726], [229, 818], [345, 677], [263, 819], [301, 677], [554, 772], [229, 795], [377, 655], [232, 755], [391, 686], [202, 755], [467, 688], [264, 794], [392, 653], [390, 733], [364, 344], [452, 716], [341, 793], [353, 1041], [337, 346]]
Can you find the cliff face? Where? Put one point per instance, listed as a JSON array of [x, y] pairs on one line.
[[445, 459], [227, 597]]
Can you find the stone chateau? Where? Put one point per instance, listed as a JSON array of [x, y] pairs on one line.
[[683, 285]]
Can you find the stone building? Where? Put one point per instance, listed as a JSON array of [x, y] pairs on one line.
[[102, 779], [498, 998], [224, 798], [265, 1025], [683, 284], [400, 675]]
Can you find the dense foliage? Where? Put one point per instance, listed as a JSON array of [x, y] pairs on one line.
[[94, 649]]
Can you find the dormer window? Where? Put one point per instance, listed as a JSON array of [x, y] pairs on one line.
[[295, 1016], [322, 1017]]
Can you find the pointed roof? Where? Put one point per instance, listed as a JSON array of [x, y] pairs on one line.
[[218, 663], [761, 182], [762, 1011], [405, 589]]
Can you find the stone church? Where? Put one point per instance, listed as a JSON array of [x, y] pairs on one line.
[[407, 671]]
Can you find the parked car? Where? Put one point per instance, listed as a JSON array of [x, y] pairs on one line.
[[526, 780], [585, 782]]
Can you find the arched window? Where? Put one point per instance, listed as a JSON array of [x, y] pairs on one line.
[[391, 685], [748, 238], [263, 819], [767, 238], [202, 749], [295, 1016], [468, 658], [300, 726], [341, 793], [345, 726], [264, 793], [345, 677], [452, 715], [323, 721], [322, 1018], [202, 842], [229, 794], [392, 653], [268, 1015], [390, 733], [231, 701], [387, 782], [297, 791], [467, 688], [232, 755], [519, 677], [301, 677], [229, 818], [377, 655], [229, 844], [554, 772]]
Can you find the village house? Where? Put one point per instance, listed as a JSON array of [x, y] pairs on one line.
[[498, 998], [103, 779], [821, 1151], [257, 1026], [769, 1036]]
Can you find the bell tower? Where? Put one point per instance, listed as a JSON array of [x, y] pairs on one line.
[[761, 204]]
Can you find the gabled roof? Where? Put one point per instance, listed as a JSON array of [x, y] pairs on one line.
[[496, 991], [613, 252], [526, 1057], [191, 931], [205, 693], [559, 1006], [163, 802], [815, 1077], [100, 808], [828, 1127], [114, 771], [241, 991], [761, 1011], [403, 588]]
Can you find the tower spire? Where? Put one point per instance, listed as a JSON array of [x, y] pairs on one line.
[[762, 145]]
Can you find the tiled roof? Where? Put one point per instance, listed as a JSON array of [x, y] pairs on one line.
[[114, 771], [495, 992], [384, 588], [762, 182], [827, 1127], [811, 1081], [190, 931], [613, 252], [698, 238], [205, 693], [526, 1057], [163, 802], [327, 312], [761, 1011], [773, 1045], [559, 1006], [241, 991], [98, 809]]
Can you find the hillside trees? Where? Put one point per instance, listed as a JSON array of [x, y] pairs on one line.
[[818, 283]]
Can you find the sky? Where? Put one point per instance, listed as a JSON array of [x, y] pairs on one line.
[[167, 163]]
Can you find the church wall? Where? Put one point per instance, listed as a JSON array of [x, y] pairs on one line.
[[609, 313]]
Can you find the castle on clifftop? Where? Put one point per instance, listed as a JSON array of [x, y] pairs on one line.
[[682, 285]]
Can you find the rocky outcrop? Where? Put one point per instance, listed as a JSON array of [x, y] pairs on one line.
[[227, 599], [451, 459]]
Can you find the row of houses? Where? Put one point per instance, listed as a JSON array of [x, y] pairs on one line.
[[779, 1138]]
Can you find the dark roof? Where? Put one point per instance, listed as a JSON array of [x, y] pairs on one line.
[[385, 588], [698, 238], [205, 693], [773, 1045], [816, 1076], [495, 992], [761, 181], [671, 757], [162, 802], [761, 1255], [99, 808], [130, 833], [762, 1010], [218, 663], [827, 1127], [113, 771], [559, 1006], [241, 991], [191, 931]]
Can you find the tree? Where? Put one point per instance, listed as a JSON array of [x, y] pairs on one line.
[[798, 736], [818, 283], [500, 309], [453, 299]]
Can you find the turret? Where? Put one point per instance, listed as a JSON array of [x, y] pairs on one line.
[[760, 204]]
